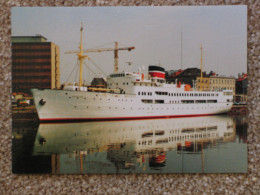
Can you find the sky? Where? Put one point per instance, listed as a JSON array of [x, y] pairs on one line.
[[157, 34]]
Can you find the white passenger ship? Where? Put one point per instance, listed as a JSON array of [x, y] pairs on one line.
[[129, 95]]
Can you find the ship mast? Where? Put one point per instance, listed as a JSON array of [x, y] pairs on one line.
[[81, 57], [201, 66]]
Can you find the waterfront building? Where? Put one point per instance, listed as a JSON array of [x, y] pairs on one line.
[[209, 82], [217, 83], [241, 89], [35, 63], [203, 84], [241, 84]]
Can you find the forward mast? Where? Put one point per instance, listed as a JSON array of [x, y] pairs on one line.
[[81, 57]]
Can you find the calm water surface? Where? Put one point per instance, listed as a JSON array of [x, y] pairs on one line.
[[211, 144]]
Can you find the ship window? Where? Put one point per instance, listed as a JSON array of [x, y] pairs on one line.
[[200, 101], [138, 92], [147, 101], [159, 101], [187, 101], [211, 101], [161, 93]]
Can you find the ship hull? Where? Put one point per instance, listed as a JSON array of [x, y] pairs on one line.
[[61, 105]]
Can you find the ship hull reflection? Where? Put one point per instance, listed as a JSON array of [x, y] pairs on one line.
[[127, 144]]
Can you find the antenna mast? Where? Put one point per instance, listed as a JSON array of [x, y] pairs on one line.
[[181, 50], [116, 57], [201, 66]]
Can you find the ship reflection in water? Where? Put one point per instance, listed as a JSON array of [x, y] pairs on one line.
[[211, 144], [179, 145]]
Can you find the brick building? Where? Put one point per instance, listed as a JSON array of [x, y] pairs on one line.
[[35, 64]]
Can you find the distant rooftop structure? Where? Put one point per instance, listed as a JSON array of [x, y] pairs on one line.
[[23, 39], [98, 81]]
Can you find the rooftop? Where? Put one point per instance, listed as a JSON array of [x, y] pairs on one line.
[[21, 39]]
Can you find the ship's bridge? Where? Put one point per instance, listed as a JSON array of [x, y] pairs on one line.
[[123, 81]]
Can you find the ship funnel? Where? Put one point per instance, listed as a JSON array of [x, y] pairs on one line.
[[156, 71]]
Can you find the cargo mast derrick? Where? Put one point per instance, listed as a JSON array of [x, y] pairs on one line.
[[81, 57]]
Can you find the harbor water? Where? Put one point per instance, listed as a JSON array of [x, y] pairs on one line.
[[210, 144]]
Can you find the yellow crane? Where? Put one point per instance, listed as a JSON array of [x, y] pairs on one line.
[[81, 57]]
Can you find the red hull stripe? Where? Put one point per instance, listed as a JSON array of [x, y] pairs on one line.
[[157, 74], [119, 118]]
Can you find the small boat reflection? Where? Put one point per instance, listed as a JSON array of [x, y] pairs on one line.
[[157, 160], [128, 144]]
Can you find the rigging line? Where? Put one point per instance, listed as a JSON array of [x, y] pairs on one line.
[[76, 65], [75, 80], [94, 72], [104, 74], [122, 44], [102, 45], [90, 69]]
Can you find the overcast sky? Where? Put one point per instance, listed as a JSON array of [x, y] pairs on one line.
[[154, 31]]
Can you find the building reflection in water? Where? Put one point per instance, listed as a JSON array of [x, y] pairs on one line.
[[129, 146]]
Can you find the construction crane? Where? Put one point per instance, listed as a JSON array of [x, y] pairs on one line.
[[116, 49]]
